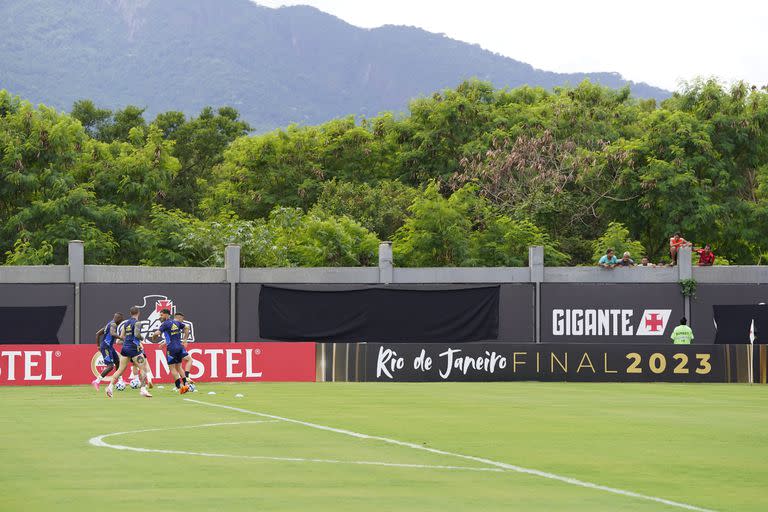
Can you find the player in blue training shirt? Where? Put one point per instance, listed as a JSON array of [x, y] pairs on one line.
[[132, 352], [105, 340], [188, 360], [172, 330]]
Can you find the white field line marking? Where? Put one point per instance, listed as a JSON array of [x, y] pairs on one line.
[[99, 442], [503, 465]]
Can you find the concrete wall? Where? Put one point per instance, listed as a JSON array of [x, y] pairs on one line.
[[35, 274], [370, 275], [535, 274], [77, 272]]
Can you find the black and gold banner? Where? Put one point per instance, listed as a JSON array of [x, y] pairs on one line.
[[481, 362]]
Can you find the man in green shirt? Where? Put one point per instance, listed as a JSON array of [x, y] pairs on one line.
[[682, 335]]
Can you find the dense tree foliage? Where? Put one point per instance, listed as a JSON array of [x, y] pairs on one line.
[[470, 177], [464, 230], [616, 237]]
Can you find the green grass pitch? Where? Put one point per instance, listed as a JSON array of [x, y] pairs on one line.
[[702, 445]]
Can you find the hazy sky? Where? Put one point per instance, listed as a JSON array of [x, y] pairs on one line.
[[659, 42]]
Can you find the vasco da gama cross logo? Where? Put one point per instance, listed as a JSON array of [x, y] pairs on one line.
[[151, 307], [609, 322]]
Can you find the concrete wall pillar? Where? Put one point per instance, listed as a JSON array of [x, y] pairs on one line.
[[386, 266], [536, 266], [76, 262], [232, 266], [685, 271]]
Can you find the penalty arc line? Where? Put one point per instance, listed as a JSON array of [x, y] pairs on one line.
[[99, 442], [502, 465]]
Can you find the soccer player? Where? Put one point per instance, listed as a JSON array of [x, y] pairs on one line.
[[173, 330], [187, 360], [105, 340], [136, 371], [132, 352]]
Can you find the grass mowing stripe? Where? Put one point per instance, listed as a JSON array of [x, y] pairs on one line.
[[503, 465]]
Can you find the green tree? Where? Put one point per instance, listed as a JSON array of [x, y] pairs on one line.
[[470, 176], [318, 239], [505, 241], [198, 144], [176, 238], [552, 183], [24, 254], [617, 237], [464, 229], [258, 173], [94, 120], [437, 231], [43, 203], [379, 207], [124, 121], [288, 167], [445, 128], [105, 125]]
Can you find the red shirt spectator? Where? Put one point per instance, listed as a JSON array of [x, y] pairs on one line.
[[706, 256]]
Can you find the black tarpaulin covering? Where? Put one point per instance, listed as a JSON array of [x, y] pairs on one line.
[[379, 314], [733, 323], [31, 324]]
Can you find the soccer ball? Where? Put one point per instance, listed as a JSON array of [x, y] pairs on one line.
[[120, 386], [192, 388], [135, 383]]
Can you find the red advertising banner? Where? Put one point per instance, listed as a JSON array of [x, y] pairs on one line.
[[24, 365]]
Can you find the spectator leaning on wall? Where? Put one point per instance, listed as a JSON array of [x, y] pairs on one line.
[[675, 243], [682, 335], [645, 262], [706, 256], [626, 261], [608, 260]]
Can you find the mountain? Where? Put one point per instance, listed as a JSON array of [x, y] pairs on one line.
[[276, 66]]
